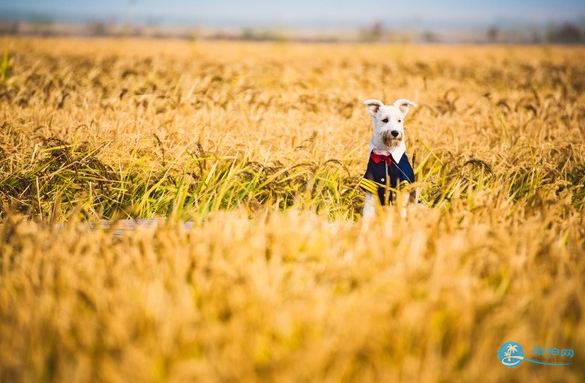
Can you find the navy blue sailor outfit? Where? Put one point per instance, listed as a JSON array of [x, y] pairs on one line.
[[380, 169]]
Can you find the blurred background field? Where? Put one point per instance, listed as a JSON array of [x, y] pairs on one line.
[[260, 145], [140, 128]]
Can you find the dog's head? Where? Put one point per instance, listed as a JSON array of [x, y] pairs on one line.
[[388, 122]]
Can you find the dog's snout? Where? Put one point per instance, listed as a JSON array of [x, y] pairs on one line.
[[394, 133]]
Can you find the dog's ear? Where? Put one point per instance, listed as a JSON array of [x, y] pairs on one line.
[[403, 105], [373, 106]]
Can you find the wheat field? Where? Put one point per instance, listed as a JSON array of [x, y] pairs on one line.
[[260, 147]]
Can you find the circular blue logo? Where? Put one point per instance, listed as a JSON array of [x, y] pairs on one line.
[[511, 354]]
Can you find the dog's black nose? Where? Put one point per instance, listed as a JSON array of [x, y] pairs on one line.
[[394, 133]]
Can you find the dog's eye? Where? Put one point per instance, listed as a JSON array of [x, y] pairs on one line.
[[385, 121], [399, 121]]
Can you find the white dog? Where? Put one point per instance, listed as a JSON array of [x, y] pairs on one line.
[[388, 165]]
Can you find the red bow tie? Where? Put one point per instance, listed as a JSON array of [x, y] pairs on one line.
[[377, 158]]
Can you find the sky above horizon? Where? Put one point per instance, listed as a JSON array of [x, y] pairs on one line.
[[317, 14]]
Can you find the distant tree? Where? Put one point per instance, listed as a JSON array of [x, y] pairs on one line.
[[536, 36], [41, 19], [429, 37], [9, 27], [373, 33], [492, 34], [567, 34], [42, 23], [97, 28], [377, 31], [249, 34]]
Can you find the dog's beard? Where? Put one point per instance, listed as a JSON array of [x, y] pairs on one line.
[[389, 140]]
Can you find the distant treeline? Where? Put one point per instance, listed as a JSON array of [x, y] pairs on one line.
[[567, 33]]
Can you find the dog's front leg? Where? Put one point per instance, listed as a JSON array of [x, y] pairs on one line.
[[409, 198], [369, 205]]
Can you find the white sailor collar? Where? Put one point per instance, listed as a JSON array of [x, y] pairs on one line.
[[396, 152]]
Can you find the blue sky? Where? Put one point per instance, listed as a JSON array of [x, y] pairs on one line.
[[317, 14]]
